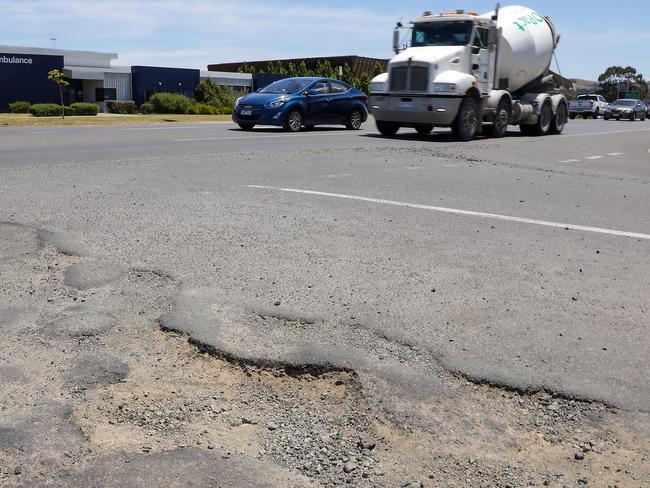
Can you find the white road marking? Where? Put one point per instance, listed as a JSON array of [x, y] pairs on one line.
[[569, 161], [41, 132], [594, 157], [174, 127], [615, 154], [604, 133], [229, 138], [472, 213]]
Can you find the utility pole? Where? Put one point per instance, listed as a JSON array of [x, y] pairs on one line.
[[53, 39]]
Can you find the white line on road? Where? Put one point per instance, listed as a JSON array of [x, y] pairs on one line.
[[569, 161], [175, 127], [594, 157], [604, 133], [230, 138], [615, 154], [472, 213]]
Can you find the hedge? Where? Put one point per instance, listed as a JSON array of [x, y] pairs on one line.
[[147, 108], [170, 103], [124, 108], [83, 108], [19, 107], [49, 110]]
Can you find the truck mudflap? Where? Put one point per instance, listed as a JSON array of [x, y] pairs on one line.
[[411, 111]]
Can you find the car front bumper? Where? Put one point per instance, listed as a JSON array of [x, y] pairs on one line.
[[415, 110], [259, 115]]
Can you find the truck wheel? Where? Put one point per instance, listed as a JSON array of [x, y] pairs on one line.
[[424, 130], [544, 120], [501, 121], [466, 124], [387, 128], [560, 119]]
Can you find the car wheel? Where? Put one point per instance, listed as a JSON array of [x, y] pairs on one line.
[[544, 120], [355, 120], [560, 119], [501, 120], [633, 117], [387, 128], [466, 125], [606, 117], [596, 114], [244, 126], [293, 121], [424, 130], [572, 116]]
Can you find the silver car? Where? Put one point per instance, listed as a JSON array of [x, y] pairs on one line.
[[626, 109]]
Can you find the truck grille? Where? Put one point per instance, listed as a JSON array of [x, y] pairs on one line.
[[409, 79]]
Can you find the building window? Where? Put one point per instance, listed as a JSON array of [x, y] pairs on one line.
[[103, 94]]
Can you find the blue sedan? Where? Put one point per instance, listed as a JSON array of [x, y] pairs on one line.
[[294, 103]]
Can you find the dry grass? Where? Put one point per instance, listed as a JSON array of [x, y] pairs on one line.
[[27, 120]]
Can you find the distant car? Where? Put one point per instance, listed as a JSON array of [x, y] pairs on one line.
[[294, 103], [626, 109], [588, 106]]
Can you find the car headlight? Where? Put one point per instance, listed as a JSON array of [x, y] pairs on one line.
[[238, 100], [444, 87], [276, 103]]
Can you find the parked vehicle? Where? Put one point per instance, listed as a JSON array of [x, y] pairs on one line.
[[472, 73], [588, 106], [296, 102], [627, 109]]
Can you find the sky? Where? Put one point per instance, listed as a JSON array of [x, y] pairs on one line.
[[195, 33]]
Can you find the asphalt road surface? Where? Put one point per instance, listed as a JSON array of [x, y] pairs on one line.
[[521, 263]]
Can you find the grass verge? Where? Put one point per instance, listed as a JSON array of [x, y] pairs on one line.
[[27, 120]]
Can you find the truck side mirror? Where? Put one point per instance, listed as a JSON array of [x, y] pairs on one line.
[[396, 45], [493, 37]]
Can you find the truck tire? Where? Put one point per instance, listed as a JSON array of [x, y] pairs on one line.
[[387, 128], [466, 124], [424, 130], [544, 121], [501, 120], [560, 119]]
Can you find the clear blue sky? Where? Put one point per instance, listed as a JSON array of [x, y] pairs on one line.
[[194, 33]]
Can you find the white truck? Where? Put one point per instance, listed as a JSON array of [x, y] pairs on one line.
[[472, 73], [588, 106]]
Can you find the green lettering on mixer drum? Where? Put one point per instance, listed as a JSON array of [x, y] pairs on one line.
[[525, 20]]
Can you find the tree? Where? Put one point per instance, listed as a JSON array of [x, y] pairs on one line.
[[56, 76], [214, 94], [247, 68], [610, 79]]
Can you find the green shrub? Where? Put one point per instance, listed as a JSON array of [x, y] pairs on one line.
[[202, 109], [19, 107], [214, 94], [49, 110], [170, 103], [146, 108], [83, 108], [124, 108]]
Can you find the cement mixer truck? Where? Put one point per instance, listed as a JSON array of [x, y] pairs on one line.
[[473, 73]]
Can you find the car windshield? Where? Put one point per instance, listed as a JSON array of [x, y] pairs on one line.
[[288, 86], [625, 103], [451, 33], [588, 97]]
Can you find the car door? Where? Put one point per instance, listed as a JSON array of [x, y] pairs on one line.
[[319, 101], [341, 105]]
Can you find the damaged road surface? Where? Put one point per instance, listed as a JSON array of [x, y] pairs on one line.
[[368, 312]]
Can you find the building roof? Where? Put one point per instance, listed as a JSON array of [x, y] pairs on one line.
[[359, 64], [70, 58]]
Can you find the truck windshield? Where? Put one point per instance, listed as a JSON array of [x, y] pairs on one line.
[[445, 33]]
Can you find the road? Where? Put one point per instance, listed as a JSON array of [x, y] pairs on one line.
[[520, 263]]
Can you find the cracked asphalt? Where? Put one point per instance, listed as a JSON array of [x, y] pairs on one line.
[[467, 288]]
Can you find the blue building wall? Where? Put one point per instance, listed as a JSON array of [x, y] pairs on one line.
[[24, 77], [148, 80]]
